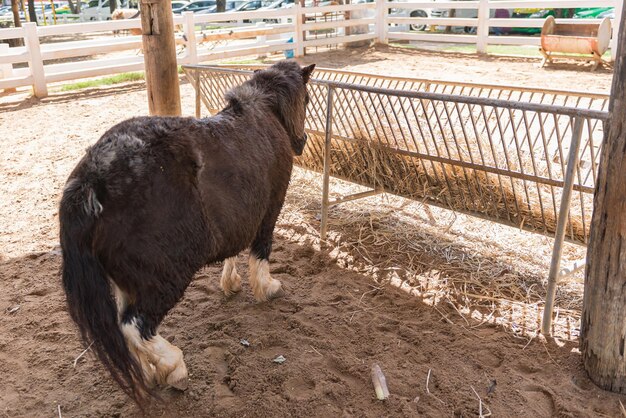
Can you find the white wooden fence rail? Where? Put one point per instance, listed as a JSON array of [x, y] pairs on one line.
[[238, 34], [483, 21]]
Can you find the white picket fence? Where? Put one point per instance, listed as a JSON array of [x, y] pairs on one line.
[[240, 34], [483, 21]]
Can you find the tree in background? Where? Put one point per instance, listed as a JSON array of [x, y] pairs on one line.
[[74, 7], [15, 8], [31, 11], [221, 6], [112, 5]]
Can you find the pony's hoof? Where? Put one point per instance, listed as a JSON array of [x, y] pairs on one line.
[[233, 289], [181, 385], [178, 379], [275, 290], [231, 286]]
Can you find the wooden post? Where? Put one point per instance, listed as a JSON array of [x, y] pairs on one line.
[[159, 47], [603, 321]]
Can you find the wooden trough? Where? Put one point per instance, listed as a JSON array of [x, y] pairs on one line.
[[589, 40]]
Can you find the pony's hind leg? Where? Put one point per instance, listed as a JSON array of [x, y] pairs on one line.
[[168, 361], [162, 362], [263, 285], [230, 281], [132, 336]]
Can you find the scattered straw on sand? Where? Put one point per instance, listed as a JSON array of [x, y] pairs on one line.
[[475, 268]]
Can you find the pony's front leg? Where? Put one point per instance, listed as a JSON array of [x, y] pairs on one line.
[[263, 286], [230, 282]]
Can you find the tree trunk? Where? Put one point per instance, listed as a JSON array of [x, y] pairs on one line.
[[157, 24], [31, 11], [15, 8], [221, 6], [603, 321], [112, 5], [451, 13], [74, 7]]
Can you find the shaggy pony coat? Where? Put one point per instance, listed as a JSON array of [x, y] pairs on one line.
[[156, 199]]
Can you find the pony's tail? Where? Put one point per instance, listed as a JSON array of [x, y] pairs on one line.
[[89, 298]]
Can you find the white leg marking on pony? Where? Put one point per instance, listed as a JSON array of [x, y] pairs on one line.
[[136, 347], [169, 363], [121, 300], [230, 282], [162, 363], [132, 336], [263, 286]]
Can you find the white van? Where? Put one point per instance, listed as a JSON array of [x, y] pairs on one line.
[[100, 9], [398, 12], [468, 14]]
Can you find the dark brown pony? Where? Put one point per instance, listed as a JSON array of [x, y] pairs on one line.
[[156, 199]]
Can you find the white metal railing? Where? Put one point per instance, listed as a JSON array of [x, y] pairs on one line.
[[238, 34]]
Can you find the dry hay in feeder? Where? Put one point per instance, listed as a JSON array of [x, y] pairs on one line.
[[376, 163]]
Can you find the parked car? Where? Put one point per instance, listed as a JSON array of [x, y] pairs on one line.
[[420, 12], [279, 4], [608, 13], [100, 9], [96, 10], [198, 5], [231, 5], [6, 14], [59, 9], [252, 5], [177, 6], [471, 14], [591, 12]]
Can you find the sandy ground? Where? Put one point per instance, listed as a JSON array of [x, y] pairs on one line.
[[335, 320]]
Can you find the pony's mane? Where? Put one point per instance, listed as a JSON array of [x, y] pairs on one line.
[[281, 87]]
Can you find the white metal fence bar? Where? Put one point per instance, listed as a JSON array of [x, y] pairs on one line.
[[327, 162], [557, 250]]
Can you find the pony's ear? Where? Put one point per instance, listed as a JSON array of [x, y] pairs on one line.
[[306, 72]]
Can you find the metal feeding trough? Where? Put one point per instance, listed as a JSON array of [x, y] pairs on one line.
[[589, 40]]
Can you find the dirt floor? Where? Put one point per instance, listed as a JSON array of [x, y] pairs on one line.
[[442, 356]]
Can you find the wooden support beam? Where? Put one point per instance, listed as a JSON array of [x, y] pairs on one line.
[[603, 321], [159, 48]]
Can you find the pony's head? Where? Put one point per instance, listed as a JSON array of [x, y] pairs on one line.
[[285, 83]]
